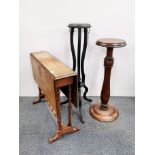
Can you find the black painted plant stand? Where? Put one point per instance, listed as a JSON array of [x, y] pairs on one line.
[[79, 62]]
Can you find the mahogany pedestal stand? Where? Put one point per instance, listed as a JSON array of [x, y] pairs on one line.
[[106, 112]]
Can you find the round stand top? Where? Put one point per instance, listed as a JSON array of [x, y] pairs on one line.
[[79, 25], [111, 42]]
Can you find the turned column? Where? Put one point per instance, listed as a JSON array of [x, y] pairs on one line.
[[105, 92], [104, 111]]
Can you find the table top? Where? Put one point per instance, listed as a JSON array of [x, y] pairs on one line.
[[53, 65], [111, 42], [79, 25]]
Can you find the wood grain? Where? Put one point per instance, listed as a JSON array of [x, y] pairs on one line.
[[55, 67], [111, 42], [45, 82], [52, 75], [104, 111]]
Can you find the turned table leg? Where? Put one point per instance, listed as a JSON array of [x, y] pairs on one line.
[[61, 128], [58, 115], [69, 106]]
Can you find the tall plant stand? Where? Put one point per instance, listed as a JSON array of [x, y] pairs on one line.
[[79, 62], [103, 111]]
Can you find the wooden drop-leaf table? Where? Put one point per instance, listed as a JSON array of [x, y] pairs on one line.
[[51, 76]]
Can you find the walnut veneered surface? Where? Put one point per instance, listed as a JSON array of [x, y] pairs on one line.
[[111, 42]]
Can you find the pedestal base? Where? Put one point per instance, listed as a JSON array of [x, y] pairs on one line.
[[104, 116]]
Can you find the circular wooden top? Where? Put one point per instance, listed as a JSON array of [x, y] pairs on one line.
[[79, 25], [111, 42]]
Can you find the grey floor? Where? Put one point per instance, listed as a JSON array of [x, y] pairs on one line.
[[95, 138]]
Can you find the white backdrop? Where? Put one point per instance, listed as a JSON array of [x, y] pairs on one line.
[[43, 26]]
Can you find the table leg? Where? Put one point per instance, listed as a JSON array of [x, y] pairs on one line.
[[69, 106], [58, 115], [63, 129], [58, 110]]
